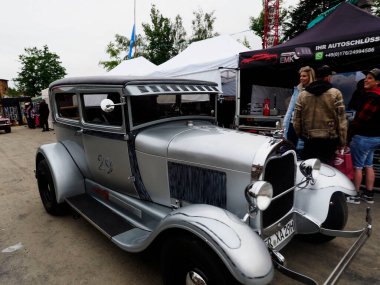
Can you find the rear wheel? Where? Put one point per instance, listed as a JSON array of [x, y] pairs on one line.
[[47, 190], [8, 129], [186, 260], [336, 219]]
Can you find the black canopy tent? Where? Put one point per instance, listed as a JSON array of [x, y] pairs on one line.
[[348, 40]]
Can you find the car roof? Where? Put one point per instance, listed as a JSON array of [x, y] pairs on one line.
[[124, 80]]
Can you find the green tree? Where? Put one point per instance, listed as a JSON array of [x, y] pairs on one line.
[[245, 43], [376, 8], [306, 11], [159, 38], [39, 67], [257, 24], [118, 51], [11, 92], [179, 36], [203, 26]]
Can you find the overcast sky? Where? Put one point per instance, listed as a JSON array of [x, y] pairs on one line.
[[78, 31]]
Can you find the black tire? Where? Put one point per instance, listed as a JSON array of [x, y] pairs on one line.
[[185, 253], [47, 190], [8, 130], [336, 219]]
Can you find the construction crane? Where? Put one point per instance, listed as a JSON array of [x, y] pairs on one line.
[[271, 16]]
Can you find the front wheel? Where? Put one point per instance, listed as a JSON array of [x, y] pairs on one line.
[[186, 260], [47, 190]]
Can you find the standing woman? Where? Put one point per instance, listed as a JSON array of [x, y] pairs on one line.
[[307, 75]]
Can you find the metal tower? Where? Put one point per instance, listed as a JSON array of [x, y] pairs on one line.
[[271, 15]]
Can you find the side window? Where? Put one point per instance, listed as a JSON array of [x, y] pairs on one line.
[[93, 114], [67, 105]]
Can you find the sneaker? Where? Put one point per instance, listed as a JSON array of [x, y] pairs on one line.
[[353, 199], [367, 197]]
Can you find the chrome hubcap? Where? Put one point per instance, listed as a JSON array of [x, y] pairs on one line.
[[193, 278]]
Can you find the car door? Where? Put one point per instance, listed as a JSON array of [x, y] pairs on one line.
[[106, 143]]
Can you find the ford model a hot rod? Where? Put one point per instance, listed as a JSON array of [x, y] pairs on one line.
[[143, 160]]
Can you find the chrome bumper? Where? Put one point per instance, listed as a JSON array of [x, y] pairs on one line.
[[362, 236]]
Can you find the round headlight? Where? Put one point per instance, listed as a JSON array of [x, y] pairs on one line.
[[262, 193]]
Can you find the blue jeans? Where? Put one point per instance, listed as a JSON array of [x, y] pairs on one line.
[[362, 149]]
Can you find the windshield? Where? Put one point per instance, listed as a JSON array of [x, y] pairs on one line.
[[148, 108]]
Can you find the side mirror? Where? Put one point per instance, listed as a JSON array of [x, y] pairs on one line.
[[310, 169], [107, 105]]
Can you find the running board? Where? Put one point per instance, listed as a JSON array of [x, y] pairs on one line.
[[103, 218]]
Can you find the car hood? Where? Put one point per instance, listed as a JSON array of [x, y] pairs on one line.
[[201, 143]]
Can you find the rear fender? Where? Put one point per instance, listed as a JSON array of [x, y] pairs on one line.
[[67, 178], [241, 249], [313, 200]]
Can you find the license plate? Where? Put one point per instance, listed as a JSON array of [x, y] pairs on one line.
[[280, 236]]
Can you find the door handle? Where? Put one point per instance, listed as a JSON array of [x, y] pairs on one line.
[[79, 132]]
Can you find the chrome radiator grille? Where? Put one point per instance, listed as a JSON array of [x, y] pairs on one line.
[[280, 172]]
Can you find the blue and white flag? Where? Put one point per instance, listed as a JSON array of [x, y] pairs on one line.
[[132, 43]]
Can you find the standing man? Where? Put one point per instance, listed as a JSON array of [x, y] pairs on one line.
[[365, 133], [44, 115], [320, 118]]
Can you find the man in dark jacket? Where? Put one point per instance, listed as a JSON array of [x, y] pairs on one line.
[[44, 115], [320, 118]]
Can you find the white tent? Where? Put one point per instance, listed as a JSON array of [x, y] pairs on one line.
[[136, 66], [204, 60]]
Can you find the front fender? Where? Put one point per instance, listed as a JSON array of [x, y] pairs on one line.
[[67, 178], [313, 200], [240, 248]]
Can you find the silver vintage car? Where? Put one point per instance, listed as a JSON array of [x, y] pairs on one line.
[[144, 161]]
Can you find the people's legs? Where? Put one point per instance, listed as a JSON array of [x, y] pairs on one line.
[[45, 126], [372, 143], [358, 176], [362, 152], [32, 123], [307, 151], [323, 149], [291, 135], [369, 178], [359, 155], [328, 148]]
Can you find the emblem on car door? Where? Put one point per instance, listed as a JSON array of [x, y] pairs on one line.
[[105, 164]]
